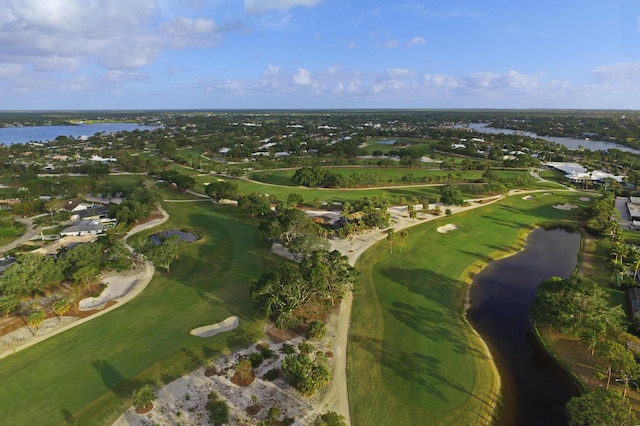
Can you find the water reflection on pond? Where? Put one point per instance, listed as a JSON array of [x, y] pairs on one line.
[[184, 236], [534, 390]]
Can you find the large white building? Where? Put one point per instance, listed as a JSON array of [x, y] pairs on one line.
[[578, 174]]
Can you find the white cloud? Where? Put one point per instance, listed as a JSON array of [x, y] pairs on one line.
[[389, 44], [621, 71], [262, 6], [302, 77], [400, 73], [416, 41], [62, 35]]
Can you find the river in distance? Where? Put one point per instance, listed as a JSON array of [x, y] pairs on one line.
[[11, 135], [534, 389], [571, 143]]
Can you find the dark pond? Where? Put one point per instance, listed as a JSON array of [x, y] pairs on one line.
[[185, 236], [534, 389]]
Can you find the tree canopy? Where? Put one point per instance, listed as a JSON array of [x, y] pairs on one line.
[[599, 408]]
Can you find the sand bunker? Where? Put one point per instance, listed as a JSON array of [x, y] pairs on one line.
[[229, 324], [548, 193], [565, 206], [447, 228], [585, 199], [528, 197]]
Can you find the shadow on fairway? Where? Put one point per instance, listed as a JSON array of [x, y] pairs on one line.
[[114, 380], [418, 368], [421, 282], [67, 417], [435, 325]]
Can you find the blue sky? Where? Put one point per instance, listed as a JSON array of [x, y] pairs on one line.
[[199, 54]]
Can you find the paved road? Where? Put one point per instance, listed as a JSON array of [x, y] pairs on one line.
[[28, 234], [621, 205]]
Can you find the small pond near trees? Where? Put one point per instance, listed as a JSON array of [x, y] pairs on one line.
[[534, 389], [184, 236]]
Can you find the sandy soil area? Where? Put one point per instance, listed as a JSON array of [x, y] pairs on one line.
[[447, 228], [565, 206], [229, 324]]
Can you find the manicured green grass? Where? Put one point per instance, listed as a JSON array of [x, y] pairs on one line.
[[413, 358], [308, 194], [190, 154], [86, 375]]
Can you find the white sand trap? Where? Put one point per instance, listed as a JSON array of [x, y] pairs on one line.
[[548, 193], [528, 197], [585, 199], [565, 206], [447, 228], [229, 324]]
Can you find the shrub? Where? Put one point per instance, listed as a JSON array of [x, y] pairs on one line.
[[143, 397], [256, 359], [316, 330], [305, 375], [244, 373], [330, 418], [218, 410], [306, 348], [272, 374], [288, 349], [265, 350]]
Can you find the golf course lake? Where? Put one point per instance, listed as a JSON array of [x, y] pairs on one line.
[[534, 388]]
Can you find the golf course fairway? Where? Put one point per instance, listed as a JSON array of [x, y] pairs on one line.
[[412, 357]]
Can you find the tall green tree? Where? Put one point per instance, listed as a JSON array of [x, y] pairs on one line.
[[451, 195], [255, 204], [281, 291], [600, 407], [391, 235], [329, 273], [32, 273], [222, 189]]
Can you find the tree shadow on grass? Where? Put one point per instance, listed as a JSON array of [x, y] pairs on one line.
[[420, 369], [121, 386], [67, 417], [421, 282], [435, 325]]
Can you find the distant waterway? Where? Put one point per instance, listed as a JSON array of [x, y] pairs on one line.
[[571, 143], [535, 390], [11, 135]]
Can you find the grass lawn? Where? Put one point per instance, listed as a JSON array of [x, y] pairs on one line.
[[388, 175], [412, 357], [309, 194], [9, 229], [86, 375]]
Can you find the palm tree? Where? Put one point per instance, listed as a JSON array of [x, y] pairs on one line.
[[403, 234], [391, 234]]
